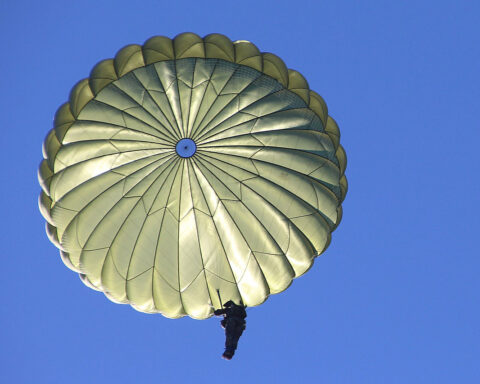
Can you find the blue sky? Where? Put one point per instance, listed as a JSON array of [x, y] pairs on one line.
[[395, 299]]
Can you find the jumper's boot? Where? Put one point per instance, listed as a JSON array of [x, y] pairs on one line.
[[227, 355]]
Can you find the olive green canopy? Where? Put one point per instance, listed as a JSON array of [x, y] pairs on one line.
[[190, 167]]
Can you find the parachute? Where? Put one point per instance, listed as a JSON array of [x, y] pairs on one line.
[[188, 167]]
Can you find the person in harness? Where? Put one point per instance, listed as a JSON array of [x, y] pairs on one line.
[[234, 324]]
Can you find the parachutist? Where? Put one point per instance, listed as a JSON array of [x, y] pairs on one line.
[[234, 324]]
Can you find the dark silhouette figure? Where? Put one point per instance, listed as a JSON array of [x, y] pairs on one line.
[[234, 324]]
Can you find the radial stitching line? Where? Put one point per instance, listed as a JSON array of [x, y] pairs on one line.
[[115, 170], [109, 253], [185, 128], [305, 107], [254, 117], [118, 231], [86, 242], [123, 118], [116, 155], [253, 214], [174, 122], [210, 144], [142, 107], [277, 186], [241, 233], [197, 169], [177, 94], [246, 123], [135, 245], [178, 232], [109, 125], [168, 105], [112, 141], [272, 148], [155, 271], [237, 98], [208, 81], [168, 197], [198, 237], [165, 150], [302, 175], [111, 186], [323, 216], [198, 130], [289, 223], [172, 126], [229, 126]]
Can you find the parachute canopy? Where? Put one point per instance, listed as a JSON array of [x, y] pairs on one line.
[[189, 166]]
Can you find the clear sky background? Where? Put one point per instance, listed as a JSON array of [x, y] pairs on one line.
[[394, 299]]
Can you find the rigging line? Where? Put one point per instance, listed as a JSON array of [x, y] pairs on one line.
[[219, 298]]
